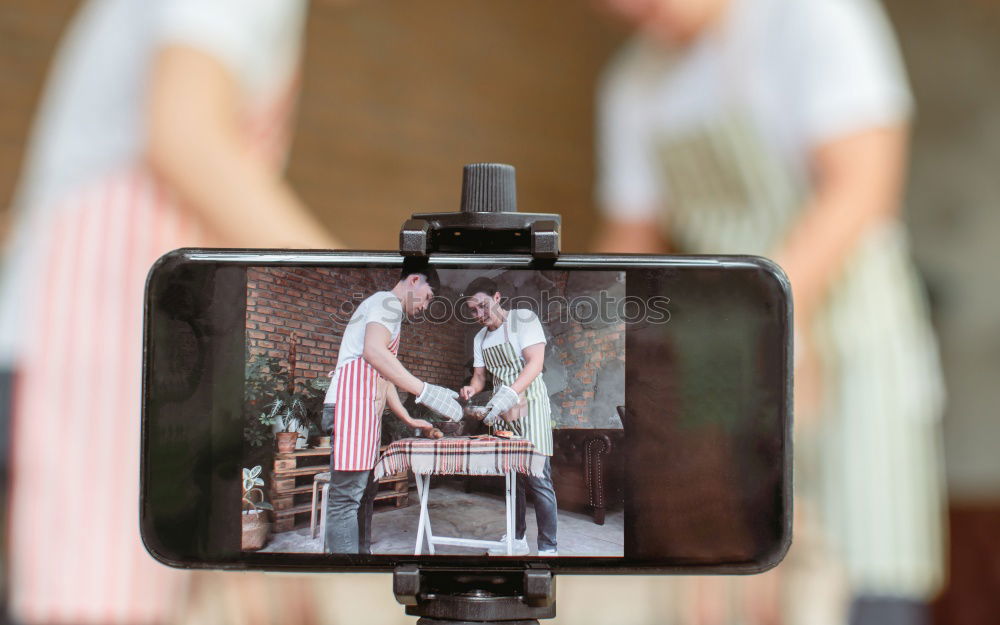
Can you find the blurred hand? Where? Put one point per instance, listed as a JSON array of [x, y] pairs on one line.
[[421, 424], [197, 144], [466, 392], [808, 378], [642, 236]]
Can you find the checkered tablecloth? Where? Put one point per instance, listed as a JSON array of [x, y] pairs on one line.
[[460, 456]]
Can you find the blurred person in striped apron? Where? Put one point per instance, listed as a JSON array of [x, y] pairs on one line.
[[511, 347], [367, 372], [163, 124], [779, 128]]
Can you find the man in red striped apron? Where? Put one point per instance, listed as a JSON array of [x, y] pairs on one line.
[[367, 373]]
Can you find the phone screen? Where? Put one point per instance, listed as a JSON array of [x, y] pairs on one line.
[[333, 411]]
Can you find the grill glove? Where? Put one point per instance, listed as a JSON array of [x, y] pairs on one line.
[[441, 400], [502, 401]]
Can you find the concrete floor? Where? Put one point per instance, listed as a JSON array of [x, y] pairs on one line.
[[454, 512]]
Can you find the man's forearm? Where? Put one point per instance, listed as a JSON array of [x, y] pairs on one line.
[[477, 384], [396, 406]]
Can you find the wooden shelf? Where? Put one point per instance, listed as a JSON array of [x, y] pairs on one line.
[[291, 512], [282, 474], [295, 499], [298, 490], [398, 489], [304, 453]]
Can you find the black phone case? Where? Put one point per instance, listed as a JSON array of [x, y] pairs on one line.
[[193, 387]]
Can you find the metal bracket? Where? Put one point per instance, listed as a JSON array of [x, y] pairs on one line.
[[488, 221], [451, 597]]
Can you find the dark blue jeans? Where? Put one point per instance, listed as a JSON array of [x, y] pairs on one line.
[[546, 512], [349, 512]]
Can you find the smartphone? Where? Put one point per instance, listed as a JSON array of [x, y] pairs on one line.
[[650, 430]]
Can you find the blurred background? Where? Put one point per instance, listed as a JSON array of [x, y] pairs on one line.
[[396, 96]]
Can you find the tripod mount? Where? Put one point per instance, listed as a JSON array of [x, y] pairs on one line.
[[487, 222], [467, 597]]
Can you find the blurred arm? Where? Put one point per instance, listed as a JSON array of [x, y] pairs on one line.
[[858, 183], [642, 236], [197, 145]]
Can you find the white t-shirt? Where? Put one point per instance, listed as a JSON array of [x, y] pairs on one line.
[[523, 329], [382, 307], [804, 71], [91, 121]]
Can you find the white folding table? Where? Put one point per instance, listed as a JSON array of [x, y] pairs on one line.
[[424, 523], [462, 455]]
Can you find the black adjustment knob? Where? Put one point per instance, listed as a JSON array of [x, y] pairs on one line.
[[488, 188]]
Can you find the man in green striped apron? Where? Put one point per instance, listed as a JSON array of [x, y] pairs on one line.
[[779, 128], [511, 347]]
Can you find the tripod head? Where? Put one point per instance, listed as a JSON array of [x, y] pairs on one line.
[[457, 597], [487, 221]]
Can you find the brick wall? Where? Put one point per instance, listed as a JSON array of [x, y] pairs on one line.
[[584, 361], [283, 300], [585, 353]]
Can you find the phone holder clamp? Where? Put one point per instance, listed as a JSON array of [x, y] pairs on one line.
[[487, 221], [461, 597]]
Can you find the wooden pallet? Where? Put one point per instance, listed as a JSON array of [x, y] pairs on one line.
[[397, 489], [291, 486]]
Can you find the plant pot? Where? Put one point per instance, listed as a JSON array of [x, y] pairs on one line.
[[255, 530], [286, 441], [323, 441]]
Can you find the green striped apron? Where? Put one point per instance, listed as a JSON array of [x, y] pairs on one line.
[[505, 364], [877, 441]]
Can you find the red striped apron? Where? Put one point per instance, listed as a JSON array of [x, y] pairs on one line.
[[75, 552], [357, 420]]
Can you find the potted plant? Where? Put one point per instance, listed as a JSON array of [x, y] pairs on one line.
[[255, 524], [288, 412], [263, 375], [316, 391]]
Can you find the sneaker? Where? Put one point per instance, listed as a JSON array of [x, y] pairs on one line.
[[520, 547], [548, 553]]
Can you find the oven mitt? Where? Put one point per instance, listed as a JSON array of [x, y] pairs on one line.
[[502, 401], [441, 400]]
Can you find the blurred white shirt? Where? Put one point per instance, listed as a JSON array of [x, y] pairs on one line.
[[805, 71], [91, 119]]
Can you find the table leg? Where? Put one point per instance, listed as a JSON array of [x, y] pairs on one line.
[[427, 518], [422, 493], [424, 522], [511, 497]]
